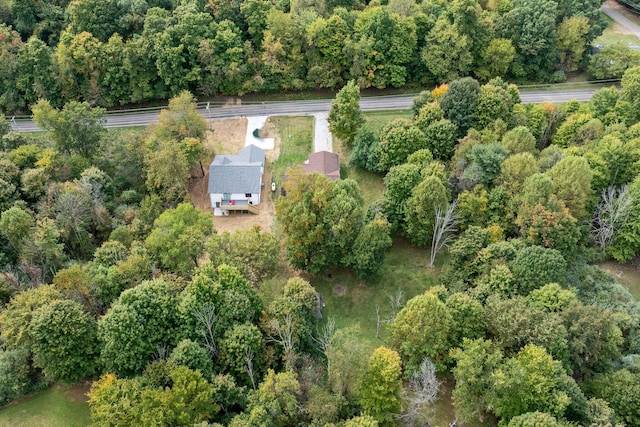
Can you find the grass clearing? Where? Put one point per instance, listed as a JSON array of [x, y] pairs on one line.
[[370, 183], [376, 120], [296, 135], [627, 274], [353, 302], [59, 406]]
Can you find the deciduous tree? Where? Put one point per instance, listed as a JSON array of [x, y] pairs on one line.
[[476, 362], [138, 324], [572, 178], [594, 338], [368, 251], [178, 237], [15, 319], [64, 341], [420, 209], [77, 128], [253, 252], [621, 390], [345, 117], [572, 43], [189, 400], [529, 382], [381, 385], [398, 140], [422, 329]]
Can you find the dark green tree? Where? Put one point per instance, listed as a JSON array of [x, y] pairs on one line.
[[397, 141], [621, 390], [64, 341], [536, 266], [192, 355], [532, 30], [141, 322], [459, 103]]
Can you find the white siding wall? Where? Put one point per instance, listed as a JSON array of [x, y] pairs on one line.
[[217, 197]]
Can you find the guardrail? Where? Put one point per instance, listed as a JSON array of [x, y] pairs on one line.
[[633, 7]]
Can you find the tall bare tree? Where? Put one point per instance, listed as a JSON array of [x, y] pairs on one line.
[[282, 334], [612, 212], [443, 228], [209, 322], [421, 392], [325, 339]]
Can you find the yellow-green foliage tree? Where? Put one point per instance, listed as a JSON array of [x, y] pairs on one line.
[[381, 385]]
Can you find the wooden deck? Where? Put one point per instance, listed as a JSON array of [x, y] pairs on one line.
[[238, 205]]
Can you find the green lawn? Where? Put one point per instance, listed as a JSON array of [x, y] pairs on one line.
[[296, 134], [375, 120], [59, 406]]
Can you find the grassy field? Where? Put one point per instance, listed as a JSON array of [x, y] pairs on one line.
[[353, 302], [59, 406], [296, 134], [375, 120]]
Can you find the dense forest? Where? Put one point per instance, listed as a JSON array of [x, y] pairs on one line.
[[115, 52], [109, 273]]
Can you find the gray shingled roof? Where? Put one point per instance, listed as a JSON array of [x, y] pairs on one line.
[[239, 173]]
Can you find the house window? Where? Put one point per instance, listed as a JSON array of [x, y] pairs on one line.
[[247, 195], [226, 196]]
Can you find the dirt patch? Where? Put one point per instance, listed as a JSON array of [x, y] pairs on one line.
[[616, 28], [77, 392], [340, 290], [228, 137]]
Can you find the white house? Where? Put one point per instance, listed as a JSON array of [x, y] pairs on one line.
[[235, 181]]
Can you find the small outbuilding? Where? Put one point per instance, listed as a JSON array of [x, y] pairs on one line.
[[325, 163]]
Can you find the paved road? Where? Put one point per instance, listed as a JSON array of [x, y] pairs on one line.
[[609, 8], [127, 119]]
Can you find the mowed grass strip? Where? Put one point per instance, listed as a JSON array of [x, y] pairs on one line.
[[59, 406], [296, 136]]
